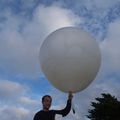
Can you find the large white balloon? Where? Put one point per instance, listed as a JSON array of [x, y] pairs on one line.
[[70, 59]]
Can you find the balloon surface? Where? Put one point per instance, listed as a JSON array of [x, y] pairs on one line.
[[70, 59]]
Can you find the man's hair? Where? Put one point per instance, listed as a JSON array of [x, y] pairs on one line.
[[45, 97]]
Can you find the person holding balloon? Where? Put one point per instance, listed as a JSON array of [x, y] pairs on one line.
[[47, 114]]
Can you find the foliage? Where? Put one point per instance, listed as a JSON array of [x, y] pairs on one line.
[[106, 108]]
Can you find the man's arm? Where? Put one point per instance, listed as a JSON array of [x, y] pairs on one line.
[[67, 109]]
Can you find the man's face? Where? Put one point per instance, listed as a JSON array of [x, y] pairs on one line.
[[46, 103]]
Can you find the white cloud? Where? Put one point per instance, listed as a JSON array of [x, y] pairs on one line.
[[14, 104], [21, 39], [110, 48], [10, 89], [15, 113], [54, 17], [28, 101]]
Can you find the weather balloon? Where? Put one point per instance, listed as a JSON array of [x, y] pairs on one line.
[[70, 59]]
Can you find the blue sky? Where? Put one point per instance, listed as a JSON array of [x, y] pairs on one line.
[[24, 24]]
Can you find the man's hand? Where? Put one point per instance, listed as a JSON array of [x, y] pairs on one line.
[[70, 95]]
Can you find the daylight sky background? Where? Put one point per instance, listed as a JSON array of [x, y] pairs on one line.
[[24, 24]]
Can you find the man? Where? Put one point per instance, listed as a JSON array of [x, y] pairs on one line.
[[47, 114]]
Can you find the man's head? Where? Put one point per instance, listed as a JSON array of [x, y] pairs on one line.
[[46, 101]]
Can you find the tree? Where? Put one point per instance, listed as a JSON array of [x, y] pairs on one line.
[[106, 108]]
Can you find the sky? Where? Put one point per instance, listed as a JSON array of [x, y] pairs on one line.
[[24, 24]]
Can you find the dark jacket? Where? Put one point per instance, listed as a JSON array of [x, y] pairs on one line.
[[50, 115]]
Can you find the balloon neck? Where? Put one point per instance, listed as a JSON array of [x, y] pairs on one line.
[[73, 110]]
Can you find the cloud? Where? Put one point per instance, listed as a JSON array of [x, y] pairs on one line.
[[96, 14], [56, 17], [21, 38], [29, 101], [9, 89], [14, 101], [15, 113], [110, 48]]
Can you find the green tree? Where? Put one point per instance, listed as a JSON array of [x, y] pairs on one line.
[[106, 108]]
